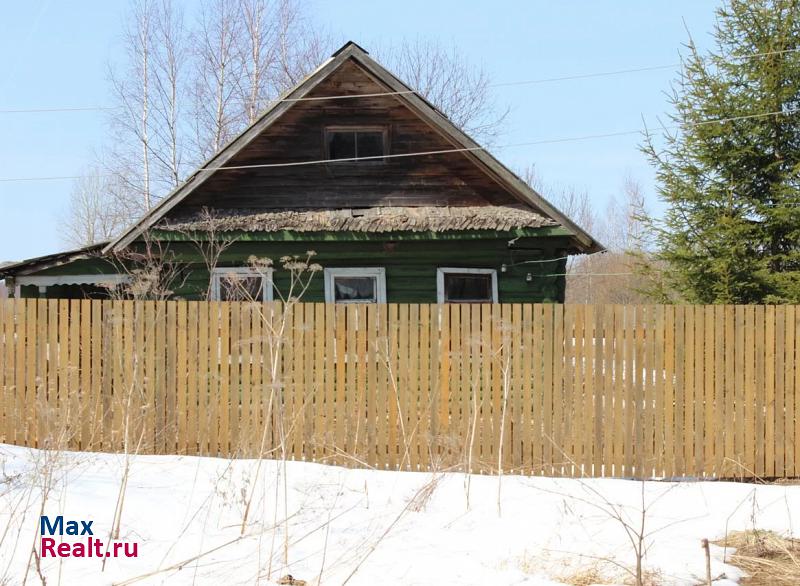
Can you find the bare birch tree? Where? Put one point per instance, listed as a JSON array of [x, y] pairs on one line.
[[131, 89], [93, 213], [170, 59], [146, 146], [278, 46], [218, 70]]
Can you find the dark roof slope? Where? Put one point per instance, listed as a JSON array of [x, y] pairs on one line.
[[50, 260]]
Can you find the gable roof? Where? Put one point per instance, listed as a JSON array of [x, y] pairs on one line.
[[401, 92]]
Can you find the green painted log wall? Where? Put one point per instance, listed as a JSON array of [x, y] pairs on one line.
[[410, 265]]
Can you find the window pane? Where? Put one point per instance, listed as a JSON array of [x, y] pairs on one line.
[[241, 288], [370, 144], [341, 145], [355, 289], [468, 287]]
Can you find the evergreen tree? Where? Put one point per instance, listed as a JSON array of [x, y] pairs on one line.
[[728, 167]]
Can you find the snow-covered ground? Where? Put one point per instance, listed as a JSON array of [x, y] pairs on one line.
[[366, 527]]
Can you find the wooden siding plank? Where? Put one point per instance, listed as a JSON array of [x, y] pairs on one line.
[[566, 399], [382, 386], [426, 395], [320, 351], [691, 355], [728, 423], [548, 389], [760, 390], [516, 446], [777, 461], [526, 420], [413, 387], [790, 367], [740, 384], [680, 390], [331, 376], [769, 392], [749, 419], [341, 382], [307, 387]]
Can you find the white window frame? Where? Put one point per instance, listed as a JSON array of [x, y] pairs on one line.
[[442, 271], [220, 272], [380, 280]]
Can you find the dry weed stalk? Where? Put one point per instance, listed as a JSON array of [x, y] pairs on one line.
[[47, 463], [275, 319], [635, 527], [151, 277]]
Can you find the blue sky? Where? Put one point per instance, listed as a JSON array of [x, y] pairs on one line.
[[56, 54]]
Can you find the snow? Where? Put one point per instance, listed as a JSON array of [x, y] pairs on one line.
[[375, 527]]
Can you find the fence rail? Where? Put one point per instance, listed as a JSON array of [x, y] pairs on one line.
[[623, 391]]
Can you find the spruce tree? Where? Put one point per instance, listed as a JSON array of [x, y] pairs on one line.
[[728, 163]]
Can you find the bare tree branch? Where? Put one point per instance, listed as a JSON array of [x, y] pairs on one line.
[[456, 87]]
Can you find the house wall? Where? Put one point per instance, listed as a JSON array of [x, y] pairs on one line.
[[410, 265]]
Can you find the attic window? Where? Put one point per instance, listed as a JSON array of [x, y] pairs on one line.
[[355, 143]]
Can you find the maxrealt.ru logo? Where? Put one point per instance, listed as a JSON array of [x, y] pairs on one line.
[[88, 547]]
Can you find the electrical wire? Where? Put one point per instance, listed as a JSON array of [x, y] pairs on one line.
[[435, 152], [404, 92]]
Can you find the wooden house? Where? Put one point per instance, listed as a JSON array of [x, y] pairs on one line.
[[398, 204]]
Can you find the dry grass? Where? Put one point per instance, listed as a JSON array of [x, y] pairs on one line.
[[583, 577], [573, 572], [768, 558], [423, 496]]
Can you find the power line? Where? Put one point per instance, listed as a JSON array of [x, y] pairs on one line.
[[434, 152], [405, 92], [52, 178], [64, 109], [479, 148], [631, 70], [584, 75]]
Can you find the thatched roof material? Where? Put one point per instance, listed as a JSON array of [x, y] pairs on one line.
[[380, 219]]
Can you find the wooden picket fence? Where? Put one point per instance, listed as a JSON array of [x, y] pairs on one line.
[[622, 391]]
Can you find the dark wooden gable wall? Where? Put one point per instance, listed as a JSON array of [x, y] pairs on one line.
[[449, 179]]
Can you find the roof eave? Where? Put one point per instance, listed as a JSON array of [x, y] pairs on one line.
[[47, 261]]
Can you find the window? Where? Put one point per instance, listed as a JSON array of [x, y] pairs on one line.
[[466, 285], [354, 143], [241, 284], [361, 285]]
